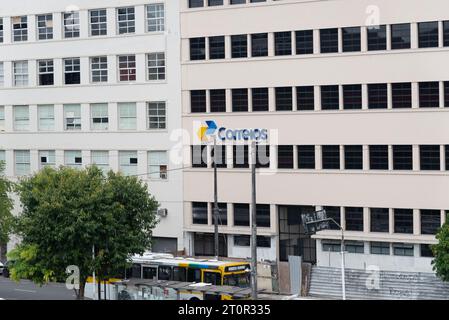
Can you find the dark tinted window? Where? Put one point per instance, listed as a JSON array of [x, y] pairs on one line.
[[354, 218], [199, 212], [378, 157], [217, 100], [403, 221], [329, 40], [351, 39], [260, 99], [430, 221], [331, 157], [283, 43], [428, 34], [198, 101], [284, 98], [259, 45], [304, 42], [352, 96], [353, 157], [241, 214], [429, 94], [377, 38], [239, 46], [197, 49], [402, 95], [429, 157], [402, 157], [400, 36], [239, 100], [330, 97], [217, 47], [380, 220], [305, 98], [378, 96], [285, 157], [306, 157]]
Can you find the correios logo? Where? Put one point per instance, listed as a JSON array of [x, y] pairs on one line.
[[224, 133]]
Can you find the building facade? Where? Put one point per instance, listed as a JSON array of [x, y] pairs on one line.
[[355, 96], [94, 82]]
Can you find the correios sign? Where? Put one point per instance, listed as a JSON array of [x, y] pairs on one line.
[[223, 133]]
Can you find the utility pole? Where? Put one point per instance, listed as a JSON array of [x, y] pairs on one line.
[[253, 224], [94, 282], [216, 210], [343, 280]]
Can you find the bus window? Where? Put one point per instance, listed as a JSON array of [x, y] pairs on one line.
[[149, 273], [193, 275], [213, 278], [136, 271], [179, 274], [165, 273]]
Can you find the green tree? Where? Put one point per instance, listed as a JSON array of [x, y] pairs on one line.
[[67, 212], [441, 252], [6, 206]]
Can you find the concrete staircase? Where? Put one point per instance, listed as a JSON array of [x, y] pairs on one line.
[[382, 285]]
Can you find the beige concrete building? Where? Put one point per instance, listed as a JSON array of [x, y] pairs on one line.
[[354, 95]]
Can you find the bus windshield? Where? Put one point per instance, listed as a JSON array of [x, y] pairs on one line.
[[241, 280]]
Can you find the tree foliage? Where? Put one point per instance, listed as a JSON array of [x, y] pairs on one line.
[[441, 252], [6, 206], [67, 212]]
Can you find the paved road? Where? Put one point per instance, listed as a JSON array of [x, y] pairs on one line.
[[26, 290]]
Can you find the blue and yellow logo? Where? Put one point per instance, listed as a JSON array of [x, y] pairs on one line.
[[207, 130]]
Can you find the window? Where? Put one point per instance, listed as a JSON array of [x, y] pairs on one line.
[[305, 98], [285, 157], [378, 157], [262, 156], [334, 213], [222, 213], [221, 156], [445, 33], [101, 160], [239, 100], [199, 213], [426, 250], [429, 94], [329, 40], [330, 97], [380, 220], [377, 38], [155, 17], [156, 66], [22, 162], [21, 118], [45, 26], [196, 3], [331, 246], [72, 73], [304, 42], [158, 165], [446, 156], [263, 215], [98, 22], [19, 28], [331, 157], [351, 39], [217, 100], [1, 30], [353, 157], [211, 3], [354, 219], [283, 43], [429, 156], [20, 73], [241, 214], [306, 157], [259, 45], [73, 159], [99, 116], [197, 49], [260, 99], [240, 156], [403, 221], [199, 156], [245, 241], [382, 248], [47, 158], [46, 117], [284, 99], [430, 221], [72, 117], [355, 247], [99, 69], [239, 46], [127, 68], [402, 157], [71, 24], [403, 249], [157, 118], [352, 96], [402, 95], [126, 20], [127, 116], [400, 36], [2, 118], [377, 96], [2, 75], [446, 94], [128, 162], [428, 34], [217, 47], [46, 72], [198, 101]]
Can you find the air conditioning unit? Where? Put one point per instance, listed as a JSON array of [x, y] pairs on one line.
[[162, 212], [163, 175]]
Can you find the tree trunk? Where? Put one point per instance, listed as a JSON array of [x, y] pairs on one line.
[[3, 252], [99, 288], [80, 292]]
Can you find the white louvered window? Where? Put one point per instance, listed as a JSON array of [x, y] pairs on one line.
[[127, 116], [22, 162], [158, 165], [21, 118], [128, 162], [73, 159], [101, 160], [47, 158], [72, 117], [46, 117]]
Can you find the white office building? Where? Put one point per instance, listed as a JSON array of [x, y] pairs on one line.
[[357, 95], [94, 82]]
